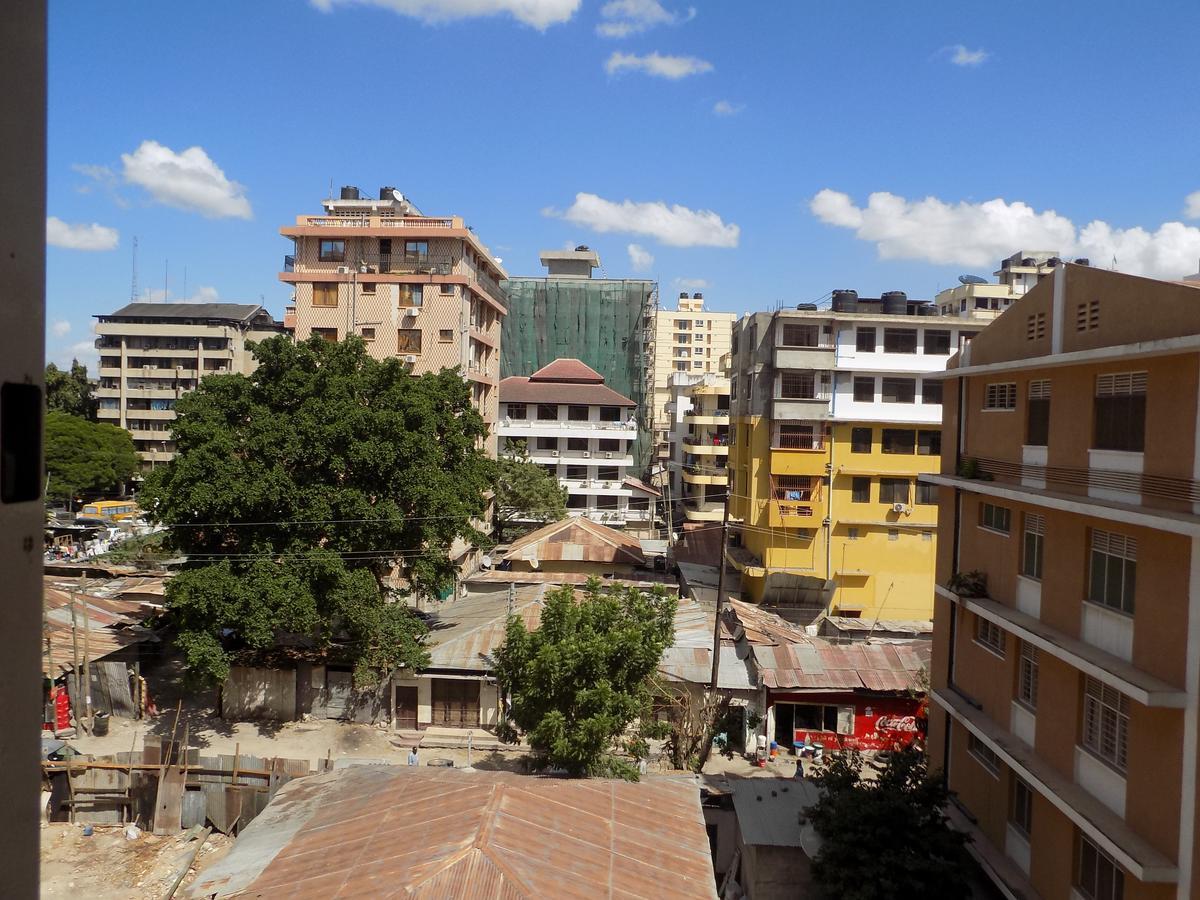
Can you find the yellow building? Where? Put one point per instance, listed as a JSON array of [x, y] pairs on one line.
[[833, 420]]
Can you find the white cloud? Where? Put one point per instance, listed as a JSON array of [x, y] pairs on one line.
[[672, 67], [961, 56], [980, 234], [539, 14], [1191, 207], [80, 236], [675, 225], [725, 108], [623, 18], [159, 295], [60, 327], [691, 284], [84, 351], [640, 258], [189, 180]]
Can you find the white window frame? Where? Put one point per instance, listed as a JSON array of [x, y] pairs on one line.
[[990, 636], [1000, 396], [1027, 676], [1105, 730]]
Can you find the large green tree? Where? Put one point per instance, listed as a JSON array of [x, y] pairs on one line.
[[297, 490], [579, 683], [70, 391], [525, 491], [86, 456], [887, 838]]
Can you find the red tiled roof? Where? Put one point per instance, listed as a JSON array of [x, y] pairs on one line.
[[519, 389], [568, 368], [638, 485]]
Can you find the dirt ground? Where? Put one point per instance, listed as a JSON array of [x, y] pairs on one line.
[[106, 866]]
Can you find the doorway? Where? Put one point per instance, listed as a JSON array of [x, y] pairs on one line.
[[406, 708]]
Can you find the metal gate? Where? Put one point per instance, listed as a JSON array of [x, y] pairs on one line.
[[339, 693], [455, 703]]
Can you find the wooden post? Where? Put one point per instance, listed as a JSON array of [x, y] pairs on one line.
[[237, 760], [75, 664], [87, 674]]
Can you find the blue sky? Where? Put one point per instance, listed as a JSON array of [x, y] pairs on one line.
[[763, 152]]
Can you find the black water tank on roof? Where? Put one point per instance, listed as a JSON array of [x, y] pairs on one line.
[[895, 303], [807, 307], [845, 301], [928, 309], [349, 192], [683, 295], [1053, 261], [1083, 261], [1029, 261], [385, 193]]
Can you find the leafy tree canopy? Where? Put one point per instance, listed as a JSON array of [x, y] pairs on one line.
[[525, 491], [886, 838], [86, 456], [297, 489], [69, 391], [580, 680]]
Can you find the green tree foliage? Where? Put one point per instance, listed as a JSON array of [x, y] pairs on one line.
[[69, 391], [86, 456], [886, 838], [298, 488], [525, 491], [581, 679]]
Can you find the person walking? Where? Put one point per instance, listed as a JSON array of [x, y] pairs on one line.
[[412, 757]]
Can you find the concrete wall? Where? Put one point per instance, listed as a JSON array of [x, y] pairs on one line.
[[774, 873]]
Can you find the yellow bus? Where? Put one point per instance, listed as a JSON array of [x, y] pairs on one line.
[[110, 510]]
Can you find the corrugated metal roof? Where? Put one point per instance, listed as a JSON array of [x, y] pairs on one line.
[[769, 809], [576, 538], [437, 833], [466, 633], [694, 664], [106, 620]]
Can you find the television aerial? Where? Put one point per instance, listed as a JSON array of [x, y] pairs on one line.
[[971, 279]]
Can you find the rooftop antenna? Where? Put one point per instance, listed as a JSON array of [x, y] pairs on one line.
[[133, 280]]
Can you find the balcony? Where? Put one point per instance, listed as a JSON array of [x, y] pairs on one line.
[[815, 406], [706, 417], [700, 511], [793, 514], [819, 357], [564, 428], [706, 446], [705, 475], [810, 438]]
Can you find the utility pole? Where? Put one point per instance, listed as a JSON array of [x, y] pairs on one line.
[[716, 667]]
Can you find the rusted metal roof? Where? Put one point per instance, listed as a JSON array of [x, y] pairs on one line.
[[466, 633], [436, 833], [578, 539], [107, 621]]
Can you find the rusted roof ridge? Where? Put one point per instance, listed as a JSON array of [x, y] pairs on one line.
[[612, 835], [483, 841]]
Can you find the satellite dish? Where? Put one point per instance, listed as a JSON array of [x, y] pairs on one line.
[[971, 279], [486, 562]]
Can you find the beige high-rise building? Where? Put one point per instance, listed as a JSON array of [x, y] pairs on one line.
[[687, 340], [151, 354], [421, 288]]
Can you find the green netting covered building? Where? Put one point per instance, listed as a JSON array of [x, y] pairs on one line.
[[605, 322]]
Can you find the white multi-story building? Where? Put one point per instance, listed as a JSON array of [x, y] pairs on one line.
[[699, 446], [976, 298], [581, 431]]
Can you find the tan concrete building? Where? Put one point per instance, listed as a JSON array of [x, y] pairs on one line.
[[687, 340], [151, 354], [422, 288], [1066, 667], [974, 297]]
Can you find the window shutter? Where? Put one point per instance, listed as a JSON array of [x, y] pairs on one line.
[[1121, 384], [1039, 390]]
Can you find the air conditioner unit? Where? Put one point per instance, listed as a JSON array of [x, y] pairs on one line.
[[898, 507], [608, 454], [554, 453], [443, 268], [343, 270], [413, 311], [410, 359], [586, 454]]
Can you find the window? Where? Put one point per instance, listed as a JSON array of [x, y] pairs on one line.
[[409, 294], [1087, 315], [547, 443], [931, 391], [1037, 419], [1033, 545], [610, 414], [899, 390], [1099, 877], [1020, 814], [577, 473], [325, 293], [607, 473], [518, 410], [368, 334], [899, 440], [893, 490], [860, 440], [1000, 396], [1027, 675], [926, 494], [577, 413], [793, 487], [332, 251], [798, 386], [1113, 577], [445, 288], [983, 753], [864, 340], [1105, 722], [864, 389], [899, 340], [797, 436], [578, 445], [852, 534], [995, 518], [327, 334], [860, 490], [416, 252], [698, 364], [408, 340], [446, 335], [1120, 409], [893, 534], [547, 412], [929, 443], [608, 445], [367, 287], [1035, 326], [937, 343], [989, 634], [795, 335]]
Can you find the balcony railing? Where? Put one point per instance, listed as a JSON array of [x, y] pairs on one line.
[[571, 424], [1079, 480], [289, 263], [376, 222]]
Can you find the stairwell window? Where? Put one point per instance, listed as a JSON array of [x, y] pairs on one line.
[[1037, 420], [1105, 722], [1113, 571], [1001, 396], [332, 251], [1027, 676], [1033, 538], [1098, 876], [1120, 412], [990, 635], [995, 518]]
